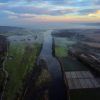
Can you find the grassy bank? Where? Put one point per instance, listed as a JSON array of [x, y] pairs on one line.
[[38, 85], [21, 60], [62, 46]]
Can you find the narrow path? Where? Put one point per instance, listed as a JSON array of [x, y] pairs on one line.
[[57, 88]]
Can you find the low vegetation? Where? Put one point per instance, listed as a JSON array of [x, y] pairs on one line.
[[61, 46], [21, 67], [21, 60], [38, 85]]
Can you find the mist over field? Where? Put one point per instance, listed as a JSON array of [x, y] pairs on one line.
[[49, 49]]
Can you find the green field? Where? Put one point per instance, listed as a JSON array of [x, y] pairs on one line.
[[40, 86], [20, 65], [61, 46], [21, 60]]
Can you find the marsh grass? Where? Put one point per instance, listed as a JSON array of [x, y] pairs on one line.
[[21, 60]]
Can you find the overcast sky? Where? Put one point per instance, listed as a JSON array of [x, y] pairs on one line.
[[48, 13]]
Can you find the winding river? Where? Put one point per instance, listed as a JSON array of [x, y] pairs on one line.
[[57, 89]]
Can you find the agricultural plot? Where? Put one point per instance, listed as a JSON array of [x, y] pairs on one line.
[[68, 63], [61, 46], [21, 61], [21, 68]]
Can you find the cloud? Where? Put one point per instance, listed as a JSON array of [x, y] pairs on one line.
[[96, 14], [9, 12], [87, 11], [12, 17], [50, 7], [18, 15], [97, 2], [36, 11]]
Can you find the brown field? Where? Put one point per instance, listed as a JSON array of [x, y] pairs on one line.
[[94, 36], [92, 44]]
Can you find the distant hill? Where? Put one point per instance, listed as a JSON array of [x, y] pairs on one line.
[[92, 24], [4, 29], [9, 30]]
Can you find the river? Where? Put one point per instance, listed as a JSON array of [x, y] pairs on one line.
[[57, 88]]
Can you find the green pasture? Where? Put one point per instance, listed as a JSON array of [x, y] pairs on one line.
[[62, 45], [21, 61]]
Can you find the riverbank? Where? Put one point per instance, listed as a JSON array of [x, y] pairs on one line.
[[22, 55], [37, 83], [78, 76]]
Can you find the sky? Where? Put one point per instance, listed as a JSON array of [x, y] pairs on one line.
[[48, 13]]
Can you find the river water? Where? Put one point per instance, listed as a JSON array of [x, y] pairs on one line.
[[57, 88]]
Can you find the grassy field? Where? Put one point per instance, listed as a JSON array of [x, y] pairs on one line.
[[21, 60], [61, 46], [40, 84], [72, 64], [68, 63]]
